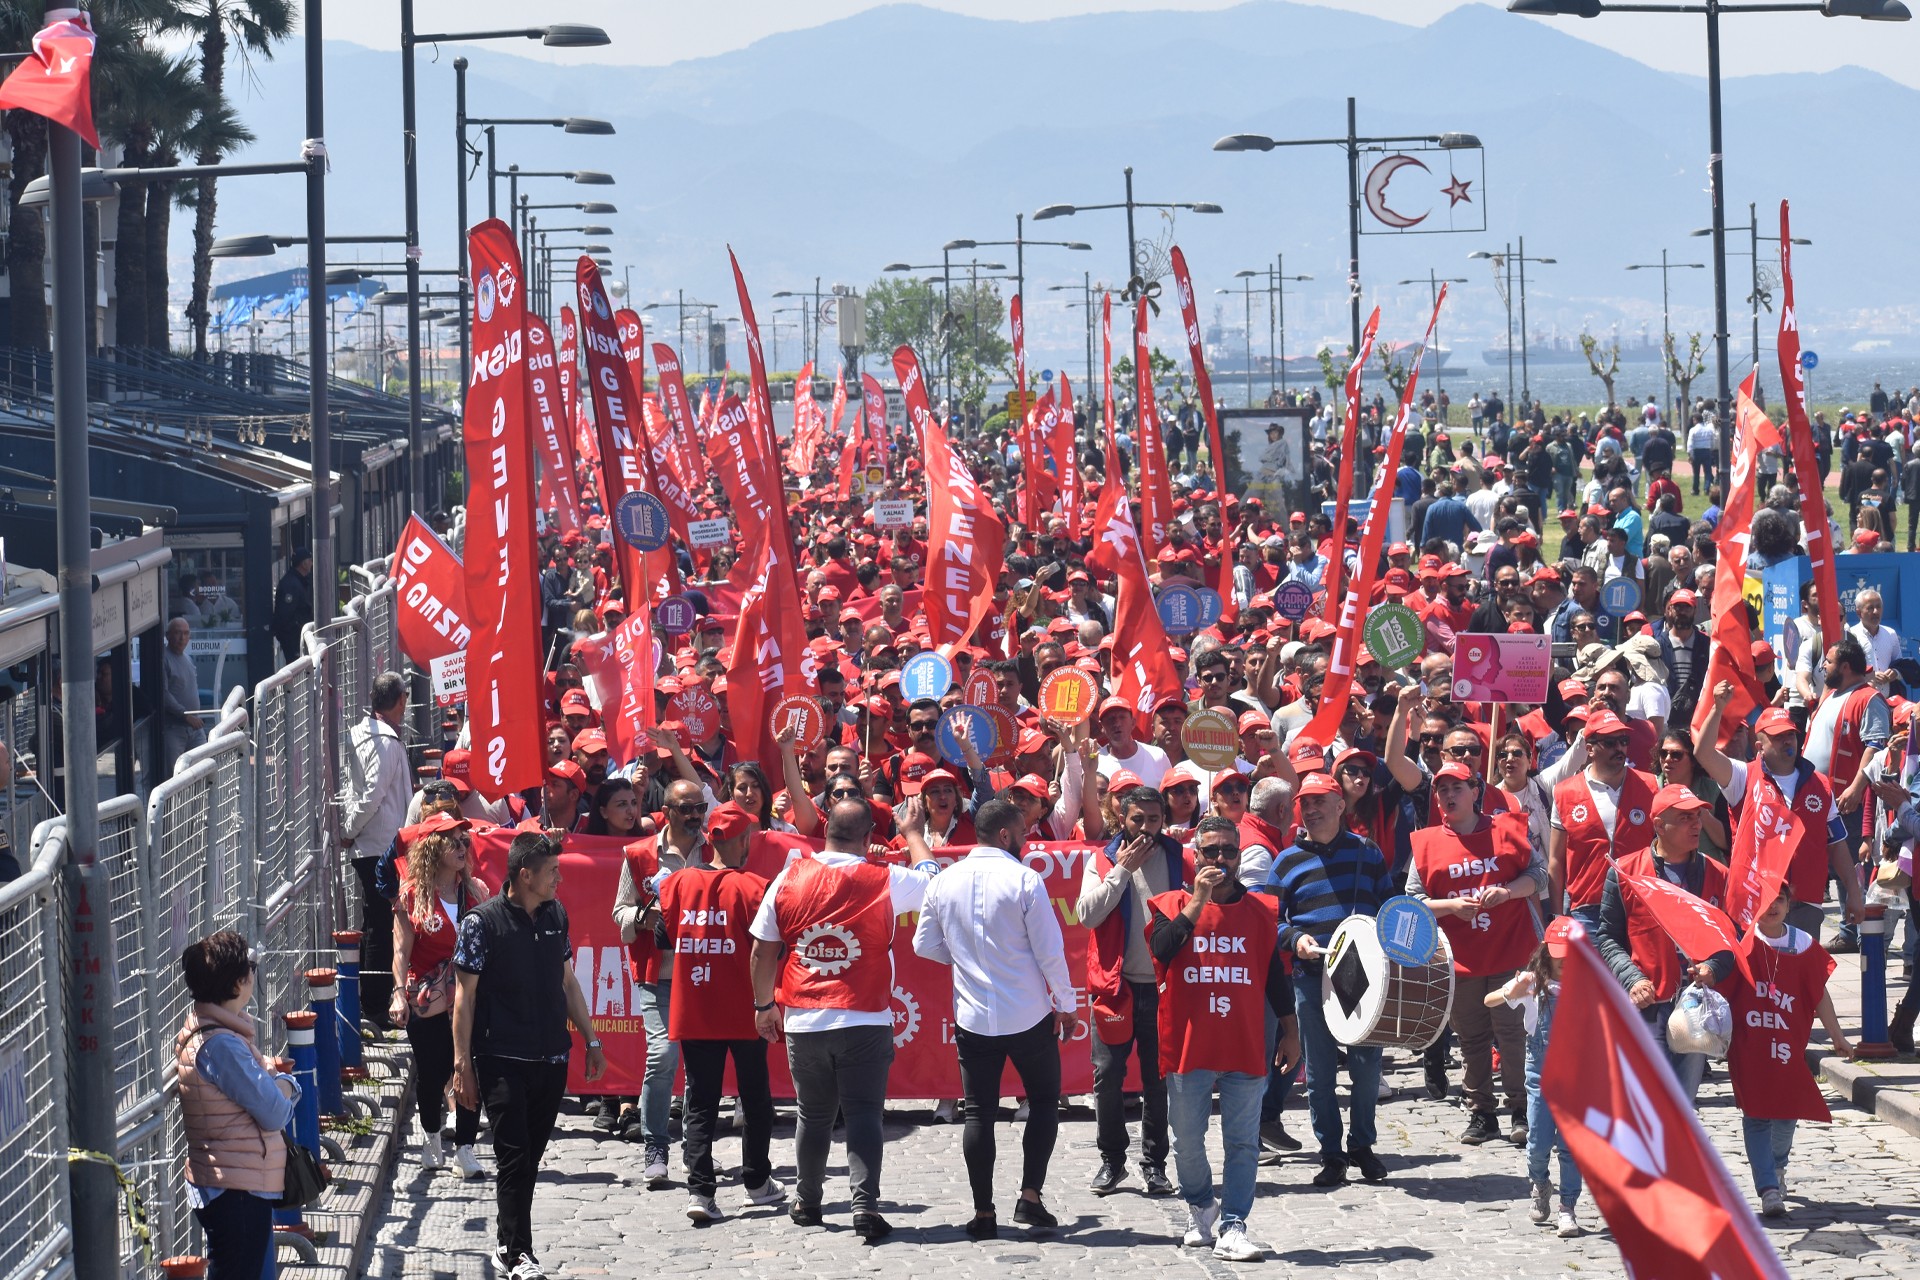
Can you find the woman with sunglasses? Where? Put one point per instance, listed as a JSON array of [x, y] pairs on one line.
[[1180, 791], [1523, 790], [1674, 764], [1367, 812]]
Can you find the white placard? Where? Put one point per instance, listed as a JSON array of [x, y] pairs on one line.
[[709, 533], [449, 674], [893, 513]]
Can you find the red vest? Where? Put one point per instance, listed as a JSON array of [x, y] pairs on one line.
[[1589, 847], [1642, 742], [706, 914], [1849, 753], [1813, 805], [1771, 1023], [1496, 939], [1213, 994], [643, 958], [838, 926], [1651, 946]]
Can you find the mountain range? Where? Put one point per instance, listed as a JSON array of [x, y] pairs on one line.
[[831, 151]]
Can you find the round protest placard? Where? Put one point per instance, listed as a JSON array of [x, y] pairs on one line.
[[642, 521], [1006, 736], [1212, 739], [1179, 608], [981, 689], [1620, 596], [675, 615], [925, 675], [1395, 635], [1408, 932], [1292, 600], [697, 709], [804, 716], [1068, 695], [1211, 606], [980, 731]]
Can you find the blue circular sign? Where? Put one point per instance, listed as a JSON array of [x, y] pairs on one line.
[[642, 521], [1046, 375], [1294, 600], [1809, 359], [1620, 596], [980, 731], [1179, 608], [927, 867], [925, 675], [1408, 932], [675, 615], [1211, 606]]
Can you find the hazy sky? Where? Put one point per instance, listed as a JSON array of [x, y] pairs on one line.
[[653, 32]]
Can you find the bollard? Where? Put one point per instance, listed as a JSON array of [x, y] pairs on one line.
[[348, 967], [1872, 1042], [322, 995], [299, 1064], [184, 1267]]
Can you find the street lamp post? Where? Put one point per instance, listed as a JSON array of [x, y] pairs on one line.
[[1508, 259], [1087, 286], [1433, 282], [1246, 279], [1756, 298], [1276, 291], [1666, 321], [1352, 144], [1871, 10], [1135, 283], [681, 306], [946, 294], [1019, 243]]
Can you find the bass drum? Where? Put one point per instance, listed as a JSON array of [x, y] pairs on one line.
[[1369, 1000]]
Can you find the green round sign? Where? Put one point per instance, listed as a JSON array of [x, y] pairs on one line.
[[1394, 635]]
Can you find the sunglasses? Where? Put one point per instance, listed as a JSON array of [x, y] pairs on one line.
[[1582, 626], [846, 793], [692, 807], [923, 726], [1459, 753], [1232, 793], [1216, 677], [1513, 753], [1673, 753], [1612, 742], [1355, 771], [1193, 787], [1432, 739]]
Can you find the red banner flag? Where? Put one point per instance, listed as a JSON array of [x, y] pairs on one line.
[[1039, 487], [769, 646], [551, 435], [626, 465], [1696, 926], [1765, 836], [430, 594], [1065, 441], [1816, 529], [1349, 443], [504, 714], [566, 350], [1730, 656], [1673, 1207], [966, 541], [801, 446], [673, 396], [760, 409], [55, 80], [1150, 450], [1202, 382], [873, 407], [620, 664], [1325, 725], [1143, 667], [673, 476], [848, 444], [747, 476], [1016, 324]]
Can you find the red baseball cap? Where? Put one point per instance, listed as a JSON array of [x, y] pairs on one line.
[[1031, 783], [1254, 720], [914, 769], [1306, 755], [589, 741], [457, 767], [1560, 937], [1761, 649], [1225, 777], [1124, 780], [1112, 703], [1602, 724], [569, 772], [1456, 769], [575, 702], [1573, 691], [1775, 720], [1675, 796], [442, 821], [1317, 784], [728, 822]]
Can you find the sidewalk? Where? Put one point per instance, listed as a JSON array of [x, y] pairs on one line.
[[1888, 1088]]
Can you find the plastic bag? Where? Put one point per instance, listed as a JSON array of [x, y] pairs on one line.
[[1701, 1022]]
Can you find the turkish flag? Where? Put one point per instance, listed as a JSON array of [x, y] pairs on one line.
[[430, 586], [56, 80], [1696, 926], [1672, 1206]]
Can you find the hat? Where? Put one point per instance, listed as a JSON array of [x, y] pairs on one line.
[[1866, 538], [1560, 937], [728, 822], [1456, 769], [826, 593], [1675, 796], [442, 821], [1546, 573], [878, 705], [1763, 650], [1635, 616], [1602, 724], [1254, 720], [1317, 784], [1124, 780], [1399, 549], [569, 772], [1774, 720], [1306, 755], [1031, 742], [1569, 513], [575, 702], [1112, 703], [589, 741], [1356, 755], [1182, 774], [1227, 777], [1573, 691], [456, 767], [709, 623], [1683, 596], [1031, 783]]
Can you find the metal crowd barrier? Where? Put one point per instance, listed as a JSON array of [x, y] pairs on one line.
[[242, 836]]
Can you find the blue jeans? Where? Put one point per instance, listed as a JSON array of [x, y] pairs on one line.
[[1189, 1104], [663, 1059], [1543, 1137], [1363, 1072], [1769, 1143], [1688, 1068]]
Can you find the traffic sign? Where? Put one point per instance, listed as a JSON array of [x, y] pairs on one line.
[[642, 520], [925, 675], [1809, 359]]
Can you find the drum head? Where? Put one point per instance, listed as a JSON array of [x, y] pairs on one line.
[[1353, 986]]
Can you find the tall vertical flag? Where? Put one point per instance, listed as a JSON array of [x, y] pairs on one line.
[[1816, 530], [1143, 667], [504, 713], [566, 350], [1730, 651], [966, 541], [1672, 1206], [1156, 486], [1017, 323], [769, 647], [1106, 390], [552, 431], [55, 80], [673, 397], [430, 594], [1065, 439], [760, 406], [1203, 387], [749, 478], [673, 476], [1349, 443], [620, 665], [873, 407]]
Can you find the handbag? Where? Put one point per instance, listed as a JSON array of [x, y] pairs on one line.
[[306, 1177]]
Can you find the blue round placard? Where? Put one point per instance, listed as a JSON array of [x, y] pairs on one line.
[[1620, 596], [1408, 932], [1293, 600], [1211, 606], [642, 521], [925, 675], [1179, 608], [980, 729]]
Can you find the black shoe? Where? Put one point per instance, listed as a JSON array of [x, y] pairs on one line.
[[1155, 1176], [1112, 1173], [1843, 946], [605, 1112], [1436, 1079], [1274, 1135], [871, 1227], [803, 1215], [1483, 1127], [1900, 1030], [1333, 1173], [1033, 1214], [1517, 1131], [982, 1228], [1371, 1166]]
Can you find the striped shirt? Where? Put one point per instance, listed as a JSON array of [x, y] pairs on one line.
[[1320, 886]]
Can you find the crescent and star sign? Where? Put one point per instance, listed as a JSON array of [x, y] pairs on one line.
[[1382, 174]]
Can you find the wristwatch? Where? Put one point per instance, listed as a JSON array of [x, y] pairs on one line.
[[593, 1044], [762, 1008]]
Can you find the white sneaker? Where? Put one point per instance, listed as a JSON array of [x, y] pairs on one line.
[[528, 1268], [703, 1209], [945, 1112], [1233, 1245], [468, 1163], [1773, 1204], [1569, 1227], [500, 1261], [433, 1152], [1542, 1210], [768, 1192], [1386, 1089], [1200, 1220]]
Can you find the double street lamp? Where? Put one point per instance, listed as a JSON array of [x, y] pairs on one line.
[[1504, 261], [1870, 10], [1433, 281], [1136, 269], [1666, 269], [946, 301], [1276, 291], [1758, 297], [1019, 243]]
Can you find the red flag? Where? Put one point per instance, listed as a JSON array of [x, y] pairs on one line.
[[1202, 383], [626, 465], [620, 665], [673, 396], [1696, 926], [769, 644], [1816, 530], [747, 476], [1325, 725], [506, 719], [1730, 655], [55, 80], [806, 414], [839, 410], [1349, 442], [760, 406], [1039, 487], [873, 405], [1156, 487], [1765, 836], [966, 541], [1016, 321], [673, 476], [566, 350], [1064, 442], [1106, 357], [431, 594], [1673, 1207], [557, 493], [1143, 668]]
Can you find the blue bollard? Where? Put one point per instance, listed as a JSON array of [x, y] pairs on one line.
[[1872, 1042], [306, 1112], [348, 968], [321, 996]]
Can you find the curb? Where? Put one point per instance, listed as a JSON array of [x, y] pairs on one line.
[[1886, 1098], [344, 1220]]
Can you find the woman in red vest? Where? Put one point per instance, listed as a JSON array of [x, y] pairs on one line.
[[1479, 874]]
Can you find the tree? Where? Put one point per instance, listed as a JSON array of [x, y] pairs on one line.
[[255, 26], [158, 99], [1332, 372], [1396, 372], [902, 312], [1604, 361], [1684, 369]]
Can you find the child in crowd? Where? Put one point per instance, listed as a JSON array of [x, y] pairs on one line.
[[1535, 990]]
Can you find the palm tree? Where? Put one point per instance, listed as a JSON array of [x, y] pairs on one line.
[[254, 26], [158, 101], [215, 127]]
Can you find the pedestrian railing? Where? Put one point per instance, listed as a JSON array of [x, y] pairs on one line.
[[35, 1236]]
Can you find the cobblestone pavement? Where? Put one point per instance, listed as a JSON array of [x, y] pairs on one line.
[[1447, 1209]]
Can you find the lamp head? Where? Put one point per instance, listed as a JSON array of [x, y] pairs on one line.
[[1870, 10], [581, 124], [1244, 142], [1248, 274], [1205, 207], [573, 35], [1053, 211], [894, 266], [244, 247], [596, 231], [1556, 8], [592, 178], [1076, 244], [1459, 141], [951, 245]]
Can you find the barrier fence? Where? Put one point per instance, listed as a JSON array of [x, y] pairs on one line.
[[242, 836]]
